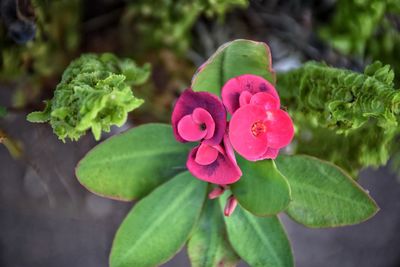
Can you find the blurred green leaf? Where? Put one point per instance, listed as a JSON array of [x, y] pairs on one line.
[[130, 165], [323, 195], [13, 146], [262, 189], [209, 245], [3, 111], [160, 224], [355, 23], [168, 23], [260, 241], [233, 59]]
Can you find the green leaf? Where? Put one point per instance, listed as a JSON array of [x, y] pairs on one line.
[[38, 116], [262, 189], [323, 195], [233, 59], [260, 241], [160, 224], [3, 111], [209, 245], [130, 165]]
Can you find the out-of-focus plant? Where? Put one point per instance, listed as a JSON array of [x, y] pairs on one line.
[[55, 42], [366, 28], [18, 17], [3, 111], [345, 117], [385, 44], [355, 22], [94, 93], [168, 23], [13, 146]]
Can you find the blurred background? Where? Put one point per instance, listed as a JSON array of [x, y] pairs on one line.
[[48, 219]]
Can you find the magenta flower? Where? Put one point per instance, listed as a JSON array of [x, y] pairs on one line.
[[230, 206], [199, 116], [239, 90], [215, 164], [259, 129]]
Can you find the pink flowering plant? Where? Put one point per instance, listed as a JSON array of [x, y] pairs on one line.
[[219, 175]]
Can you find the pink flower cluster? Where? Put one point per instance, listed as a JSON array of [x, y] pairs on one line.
[[257, 130]]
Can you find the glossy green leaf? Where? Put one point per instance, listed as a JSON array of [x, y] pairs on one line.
[[260, 241], [262, 189], [160, 224], [130, 165], [233, 59], [209, 245], [323, 195]]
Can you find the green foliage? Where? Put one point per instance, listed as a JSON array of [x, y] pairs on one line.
[[313, 192], [342, 116], [233, 59], [3, 111], [385, 45], [260, 241], [209, 245], [323, 195], [159, 225], [168, 22], [128, 166], [355, 22], [367, 29], [94, 93], [262, 189], [56, 38]]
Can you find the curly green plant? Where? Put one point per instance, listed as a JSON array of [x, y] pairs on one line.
[[94, 93], [340, 106]]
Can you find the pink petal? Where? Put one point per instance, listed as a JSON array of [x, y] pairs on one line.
[[245, 98], [229, 149], [222, 171], [216, 192], [265, 100], [271, 153], [280, 129], [206, 154], [190, 130], [230, 206], [202, 116], [241, 135], [233, 88], [189, 101]]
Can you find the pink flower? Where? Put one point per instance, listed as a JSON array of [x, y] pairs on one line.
[[230, 206], [199, 116], [259, 129], [215, 164], [238, 91]]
